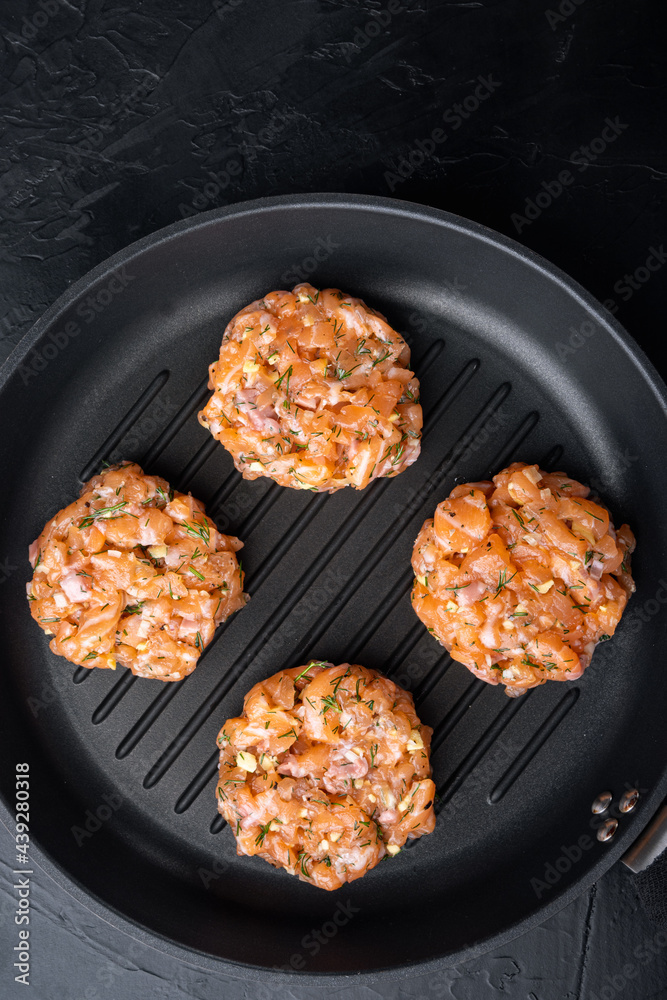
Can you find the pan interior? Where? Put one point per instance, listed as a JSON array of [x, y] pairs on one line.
[[513, 365]]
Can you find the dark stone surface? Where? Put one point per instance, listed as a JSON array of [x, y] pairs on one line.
[[120, 118]]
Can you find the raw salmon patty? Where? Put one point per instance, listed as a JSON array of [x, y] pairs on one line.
[[326, 772], [312, 389], [521, 577], [134, 573]]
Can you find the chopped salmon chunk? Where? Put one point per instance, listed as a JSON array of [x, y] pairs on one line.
[[521, 577], [312, 389], [134, 573]]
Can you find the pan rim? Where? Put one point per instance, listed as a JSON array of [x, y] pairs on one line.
[[373, 203], [635, 355]]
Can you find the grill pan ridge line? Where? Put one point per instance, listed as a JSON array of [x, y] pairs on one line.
[[394, 255]]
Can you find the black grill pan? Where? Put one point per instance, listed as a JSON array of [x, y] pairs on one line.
[[515, 362]]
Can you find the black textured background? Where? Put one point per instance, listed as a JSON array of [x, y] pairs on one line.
[[120, 118]]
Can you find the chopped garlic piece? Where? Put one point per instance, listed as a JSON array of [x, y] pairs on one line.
[[394, 417], [256, 467], [393, 849], [358, 783], [250, 367], [402, 806], [511, 488], [303, 813], [579, 529], [335, 837], [544, 587], [323, 845], [246, 760], [416, 738], [158, 551], [452, 606], [371, 798], [142, 647]]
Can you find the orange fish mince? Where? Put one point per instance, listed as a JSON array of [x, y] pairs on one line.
[[521, 577], [134, 573], [326, 772], [312, 389]]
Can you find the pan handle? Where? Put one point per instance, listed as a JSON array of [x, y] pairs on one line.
[[647, 860], [649, 845]]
